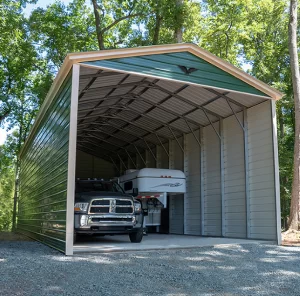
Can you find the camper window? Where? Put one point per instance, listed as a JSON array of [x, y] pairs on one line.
[[128, 186]]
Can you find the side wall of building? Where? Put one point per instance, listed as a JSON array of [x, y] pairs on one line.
[[262, 202], [43, 175]]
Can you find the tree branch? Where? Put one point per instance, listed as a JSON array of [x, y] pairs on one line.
[[119, 20]]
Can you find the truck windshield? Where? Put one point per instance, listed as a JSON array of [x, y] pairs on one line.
[[87, 186]]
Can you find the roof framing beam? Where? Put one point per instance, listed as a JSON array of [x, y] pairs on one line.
[[109, 93], [224, 96], [102, 74], [188, 101]]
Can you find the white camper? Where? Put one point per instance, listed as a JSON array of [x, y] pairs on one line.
[[152, 186]]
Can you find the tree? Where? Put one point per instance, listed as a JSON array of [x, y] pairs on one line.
[[110, 14], [293, 49]]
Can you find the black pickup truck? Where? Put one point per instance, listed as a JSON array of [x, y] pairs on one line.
[[102, 207]]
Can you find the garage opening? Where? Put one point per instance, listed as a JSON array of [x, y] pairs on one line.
[[173, 107]]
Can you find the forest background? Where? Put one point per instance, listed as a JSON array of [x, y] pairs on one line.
[[251, 34]]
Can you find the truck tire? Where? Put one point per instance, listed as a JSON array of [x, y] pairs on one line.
[[136, 237], [75, 236]]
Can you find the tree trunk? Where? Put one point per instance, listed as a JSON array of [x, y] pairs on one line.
[[14, 218], [98, 26], [178, 21], [293, 49], [158, 19]]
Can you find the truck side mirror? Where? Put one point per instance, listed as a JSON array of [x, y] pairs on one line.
[[135, 192]]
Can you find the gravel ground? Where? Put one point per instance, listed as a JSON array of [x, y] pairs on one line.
[[30, 268]]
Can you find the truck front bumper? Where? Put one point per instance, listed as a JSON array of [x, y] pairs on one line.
[[110, 224]]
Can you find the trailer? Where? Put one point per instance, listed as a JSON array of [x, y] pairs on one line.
[[152, 186]]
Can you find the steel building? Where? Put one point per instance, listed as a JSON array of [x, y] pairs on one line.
[[167, 106]]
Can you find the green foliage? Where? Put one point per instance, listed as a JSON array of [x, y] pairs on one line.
[[243, 32]]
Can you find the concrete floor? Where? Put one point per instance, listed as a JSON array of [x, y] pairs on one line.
[[119, 243]]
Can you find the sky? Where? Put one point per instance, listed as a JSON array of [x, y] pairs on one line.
[[41, 3], [29, 8]]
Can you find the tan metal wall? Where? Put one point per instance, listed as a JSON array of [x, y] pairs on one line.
[[176, 201], [261, 173], [212, 182], [89, 166], [192, 202], [235, 213]]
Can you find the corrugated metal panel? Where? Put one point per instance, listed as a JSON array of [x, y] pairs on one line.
[[245, 99], [261, 173], [234, 178], [197, 95], [89, 166], [222, 108], [212, 183], [176, 202], [166, 66], [43, 176], [192, 196]]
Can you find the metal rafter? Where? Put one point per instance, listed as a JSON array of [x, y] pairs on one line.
[[126, 131], [187, 101], [140, 115], [225, 97], [123, 85], [109, 93], [106, 141], [102, 74], [88, 85], [141, 92]]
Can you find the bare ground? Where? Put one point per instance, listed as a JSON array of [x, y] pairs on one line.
[[291, 238], [12, 237]]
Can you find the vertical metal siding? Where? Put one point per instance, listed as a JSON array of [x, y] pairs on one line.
[[261, 173], [234, 178], [176, 202], [150, 160], [212, 182], [89, 166], [192, 197], [43, 175]]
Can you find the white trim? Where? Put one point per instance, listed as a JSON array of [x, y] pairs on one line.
[[72, 160], [185, 169], [170, 48], [222, 164], [246, 162], [202, 197], [276, 173], [173, 80]]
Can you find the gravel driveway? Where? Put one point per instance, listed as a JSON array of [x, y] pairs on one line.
[[29, 268]]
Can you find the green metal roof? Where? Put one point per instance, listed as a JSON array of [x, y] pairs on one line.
[[167, 66]]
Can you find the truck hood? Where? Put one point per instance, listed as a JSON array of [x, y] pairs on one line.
[[88, 196]]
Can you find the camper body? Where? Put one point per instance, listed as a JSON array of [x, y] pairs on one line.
[[151, 186]]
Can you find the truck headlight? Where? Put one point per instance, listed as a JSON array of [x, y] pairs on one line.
[[81, 207], [137, 207]]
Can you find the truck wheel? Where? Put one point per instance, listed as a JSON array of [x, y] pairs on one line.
[[74, 237], [136, 237]]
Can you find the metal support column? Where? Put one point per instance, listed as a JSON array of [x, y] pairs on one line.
[[186, 171], [72, 160], [222, 176], [246, 155], [202, 191]]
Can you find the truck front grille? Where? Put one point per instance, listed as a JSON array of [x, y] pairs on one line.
[[99, 210], [123, 210], [111, 205]]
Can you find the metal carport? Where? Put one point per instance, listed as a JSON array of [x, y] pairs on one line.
[[169, 106]]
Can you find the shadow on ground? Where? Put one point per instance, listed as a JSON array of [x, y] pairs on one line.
[[29, 268]]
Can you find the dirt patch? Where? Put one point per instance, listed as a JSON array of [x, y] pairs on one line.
[[11, 236], [291, 238]]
